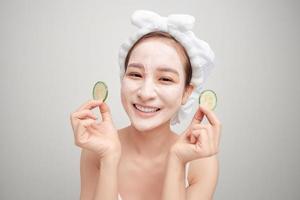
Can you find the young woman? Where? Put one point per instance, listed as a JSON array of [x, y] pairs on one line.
[[146, 160]]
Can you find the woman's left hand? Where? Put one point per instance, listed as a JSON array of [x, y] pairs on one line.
[[199, 140]]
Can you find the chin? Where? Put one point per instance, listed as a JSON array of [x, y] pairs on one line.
[[143, 125]]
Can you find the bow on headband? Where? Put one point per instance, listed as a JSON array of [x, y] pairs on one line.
[[142, 18]]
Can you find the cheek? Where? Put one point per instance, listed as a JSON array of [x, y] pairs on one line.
[[172, 95], [124, 96], [127, 90], [128, 87]]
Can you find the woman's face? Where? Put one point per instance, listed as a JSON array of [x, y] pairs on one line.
[[153, 85]]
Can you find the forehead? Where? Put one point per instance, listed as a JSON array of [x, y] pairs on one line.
[[154, 52]]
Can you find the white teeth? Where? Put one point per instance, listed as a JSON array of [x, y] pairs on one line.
[[144, 109]]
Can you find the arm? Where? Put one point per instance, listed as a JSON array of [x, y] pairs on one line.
[[174, 185], [89, 171], [203, 178], [199, 144], [107, 187], [98, 177]]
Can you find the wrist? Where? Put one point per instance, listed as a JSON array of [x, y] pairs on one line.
[[111, 159], [173, 157]]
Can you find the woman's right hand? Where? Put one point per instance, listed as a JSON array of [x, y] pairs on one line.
[[100, 137]]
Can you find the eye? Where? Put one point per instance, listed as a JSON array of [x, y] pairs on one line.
[[165, 79], [135, 75]]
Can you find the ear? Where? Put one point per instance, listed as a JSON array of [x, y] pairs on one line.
[[187, 92]]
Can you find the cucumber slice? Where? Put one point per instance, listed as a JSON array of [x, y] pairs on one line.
[[208, 98], [100, 91]]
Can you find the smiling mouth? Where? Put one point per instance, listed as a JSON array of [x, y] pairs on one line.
[[145, 109]]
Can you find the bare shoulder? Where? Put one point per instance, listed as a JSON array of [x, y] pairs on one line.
[[205, 169]]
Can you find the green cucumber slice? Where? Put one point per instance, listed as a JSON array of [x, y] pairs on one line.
[[208, 98], [100, 91]]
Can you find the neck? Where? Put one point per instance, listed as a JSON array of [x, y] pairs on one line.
[[151, 143]]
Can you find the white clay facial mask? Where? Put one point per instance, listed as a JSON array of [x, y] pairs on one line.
[[154, 79]]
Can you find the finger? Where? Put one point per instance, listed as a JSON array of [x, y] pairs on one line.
[[217, 136], [81, 135], [92, 129], [197, 126], [90, 104], [194, 136], [83, 124], [197, 117], [211, 137], [203, 141], [94, 125], [87, 122], [212, 118], [105, 112], [84, 114], [84, 133], [192, 139]]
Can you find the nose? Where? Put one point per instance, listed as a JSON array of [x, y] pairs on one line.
[[147, 90]]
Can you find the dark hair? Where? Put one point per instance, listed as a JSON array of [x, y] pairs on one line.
[[161, 34]]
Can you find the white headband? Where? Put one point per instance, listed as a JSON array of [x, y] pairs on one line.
[[179, 26]]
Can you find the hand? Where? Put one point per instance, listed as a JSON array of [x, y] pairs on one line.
[[199, 140], [99, 137]]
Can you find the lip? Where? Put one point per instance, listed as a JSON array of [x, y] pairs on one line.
[[151, 107], [144, 114]]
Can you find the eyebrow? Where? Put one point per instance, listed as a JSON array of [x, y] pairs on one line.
[[160, 68]]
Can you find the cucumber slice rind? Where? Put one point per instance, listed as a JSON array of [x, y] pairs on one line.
[[209, 93], [100, 84]]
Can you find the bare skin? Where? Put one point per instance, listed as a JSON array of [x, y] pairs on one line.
[[146, 160], [145, 170], [144, 167], [142, 177]]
